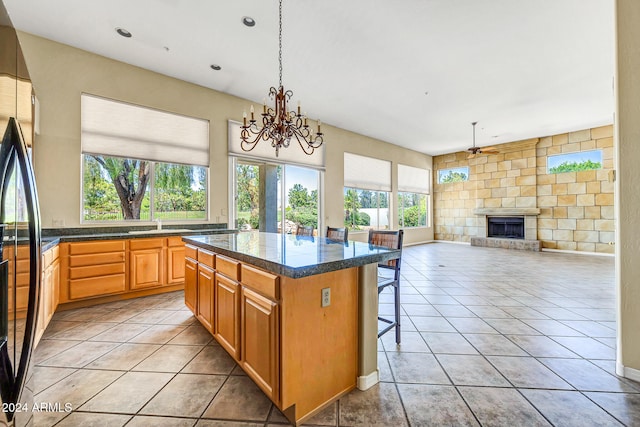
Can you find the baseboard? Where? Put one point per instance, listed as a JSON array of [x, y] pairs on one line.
[[564, 251], [404, 245], [630, 373], [367, 381], [452, 241]]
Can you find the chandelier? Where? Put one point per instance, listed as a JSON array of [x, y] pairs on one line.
[[279, 125]]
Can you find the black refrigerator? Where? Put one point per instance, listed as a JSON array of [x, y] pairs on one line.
[[20, 244]]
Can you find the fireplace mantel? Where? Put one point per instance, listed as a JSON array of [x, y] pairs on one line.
[[529, 242]]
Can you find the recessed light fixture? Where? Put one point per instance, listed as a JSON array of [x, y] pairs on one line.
[[216, 67], [248, 21], [123, 32]]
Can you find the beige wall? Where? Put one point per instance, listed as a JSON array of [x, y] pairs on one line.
[[61, 73], [627, 186], [576, 208]]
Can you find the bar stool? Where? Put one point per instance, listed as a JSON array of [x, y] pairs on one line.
[[338, 234], [391, 240], [304, 230]]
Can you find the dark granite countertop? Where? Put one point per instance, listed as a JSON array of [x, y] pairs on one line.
[[290, 255]]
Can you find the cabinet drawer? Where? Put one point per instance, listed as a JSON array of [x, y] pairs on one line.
[[138, 244], [51, 255], [96, 259], [92, 287], [191, 252], [96, 270], [228, 267], [96, 247], [261, 281], [207, 258], [175, 241]]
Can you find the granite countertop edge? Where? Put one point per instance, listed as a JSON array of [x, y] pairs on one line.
[[297, 272]]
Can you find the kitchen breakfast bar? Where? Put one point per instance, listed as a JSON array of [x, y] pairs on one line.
[[297, 313]]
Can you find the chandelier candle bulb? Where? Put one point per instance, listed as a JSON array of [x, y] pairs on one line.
[[252, 119], [244, 117]]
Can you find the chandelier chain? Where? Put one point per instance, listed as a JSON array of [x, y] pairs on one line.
[[280, 42]]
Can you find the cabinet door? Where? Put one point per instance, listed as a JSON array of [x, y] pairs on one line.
[[175, 265], [227, 314], [146, 268], [55, 279], [190, 284], [259, 332], [205, 306]]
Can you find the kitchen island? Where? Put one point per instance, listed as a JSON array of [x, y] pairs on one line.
[[298, 314]]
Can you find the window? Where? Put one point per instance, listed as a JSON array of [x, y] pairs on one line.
[[413, 191], [446, 176], [367, 183], [575, 162], [142, 164]]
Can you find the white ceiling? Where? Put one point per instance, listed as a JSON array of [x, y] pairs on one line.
[[521, 68]]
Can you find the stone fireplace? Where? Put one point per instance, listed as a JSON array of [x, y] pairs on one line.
[[510, 228]]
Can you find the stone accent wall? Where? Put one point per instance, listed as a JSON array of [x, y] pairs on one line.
[[576, 208]]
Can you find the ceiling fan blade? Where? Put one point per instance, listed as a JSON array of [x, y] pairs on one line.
[[488, 148], [490, 151]]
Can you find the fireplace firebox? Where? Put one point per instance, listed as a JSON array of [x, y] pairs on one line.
[[505, 227]]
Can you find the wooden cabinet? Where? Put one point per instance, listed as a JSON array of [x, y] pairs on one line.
[[191, 284], [175, 255], [205, 304], [96, 268], [227, 314], [260, 335], [146, 263], [49, 289]]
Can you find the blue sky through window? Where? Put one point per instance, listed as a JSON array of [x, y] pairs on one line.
[[579, 157]]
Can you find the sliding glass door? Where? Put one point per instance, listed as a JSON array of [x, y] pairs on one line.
[[275, 197]]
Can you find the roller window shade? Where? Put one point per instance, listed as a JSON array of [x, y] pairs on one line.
[[413, 180], [113, 128], [264, 151], [367, 173]]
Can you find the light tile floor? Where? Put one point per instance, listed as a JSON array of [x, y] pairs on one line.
[[490, 337]]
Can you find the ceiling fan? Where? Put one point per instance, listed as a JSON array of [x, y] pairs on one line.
[[477, 150]]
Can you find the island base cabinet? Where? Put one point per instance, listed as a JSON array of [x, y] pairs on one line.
[[227, 315], [191, 284], [204, 308], [260, 345]]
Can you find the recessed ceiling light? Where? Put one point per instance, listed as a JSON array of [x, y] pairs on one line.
[[216, 67], [123, 32], [248, 21]]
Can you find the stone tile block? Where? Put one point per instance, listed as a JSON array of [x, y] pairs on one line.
[[586, 247], [493, 203], [529, 153], [526, 202], [560, 139], [585, 200], [491, 167], [508, 202], [602, 132], [592, 212], [559, 189], [526, 180], [607, 163], [513, 155], [546, 179], [586, 236], [593, 187], [579, 136], [513, 173], [607, 212], [545, 234], [602, 175], [566, 246], [548, 223], [528, 190], [604, 142], [565, 177], [545, 142], [576, 188], [507, 182], [604, 225], [607, 154], [544, 190], [605, 248], [607, 236], [504, 165], [567, 224], [567, 200], [532, 170], [485, 193], [519, 163], [605, 199], [571, 148], [585, 224], [545, 212], [588, 145], [607, 187], [560, 212], [575, 212], [566, 235], [541, 153], [556, 149], [584, 176], [513, 191], [499, 175]]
